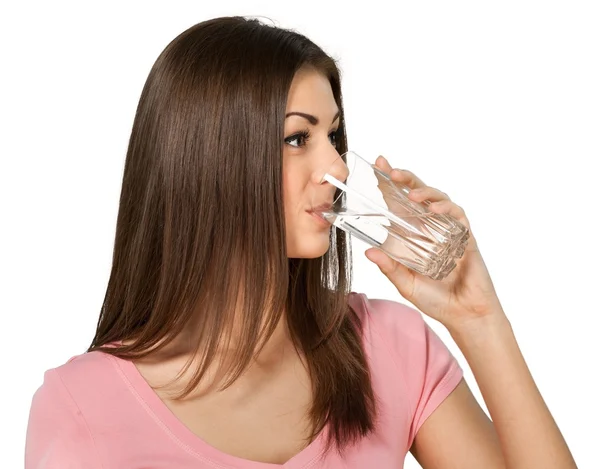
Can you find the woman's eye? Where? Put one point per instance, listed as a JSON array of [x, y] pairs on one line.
[[304, 136], [299, 136], [334, 134]]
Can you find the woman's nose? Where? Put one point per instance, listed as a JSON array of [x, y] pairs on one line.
[[335, 167], [339, 169]]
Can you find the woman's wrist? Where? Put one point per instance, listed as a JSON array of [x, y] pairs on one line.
[[480, 328]]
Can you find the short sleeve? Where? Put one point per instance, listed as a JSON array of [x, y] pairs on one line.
[[57, 435], [428, 368], [437, 376]]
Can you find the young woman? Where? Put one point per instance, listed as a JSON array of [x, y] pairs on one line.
[[229, 337]]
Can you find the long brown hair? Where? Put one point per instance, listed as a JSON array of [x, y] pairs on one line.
[[201, 219]]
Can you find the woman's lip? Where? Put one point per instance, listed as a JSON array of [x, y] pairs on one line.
[[319, 218], [325, 206]]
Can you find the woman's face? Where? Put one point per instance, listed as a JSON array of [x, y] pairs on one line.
[[305, 159]]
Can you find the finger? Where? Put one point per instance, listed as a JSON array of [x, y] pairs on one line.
[[447, 207], [407, 178], [432, 194], [401, 175], [383, 164]]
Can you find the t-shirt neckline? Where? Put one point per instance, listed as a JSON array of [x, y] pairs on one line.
[[191, 442]]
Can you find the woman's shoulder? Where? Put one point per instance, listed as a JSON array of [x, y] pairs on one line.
[[60, 382], [58, 430], [87, 367], [82, 378], [397, 335], [397, 321]]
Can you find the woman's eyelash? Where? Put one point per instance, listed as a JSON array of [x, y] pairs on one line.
[[305, 135]]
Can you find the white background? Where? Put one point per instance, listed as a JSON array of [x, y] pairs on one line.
[[495, 103]]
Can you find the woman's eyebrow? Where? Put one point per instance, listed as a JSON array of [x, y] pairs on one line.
[[310, 118]]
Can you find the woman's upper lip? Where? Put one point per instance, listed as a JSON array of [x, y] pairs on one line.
[[323, 206]]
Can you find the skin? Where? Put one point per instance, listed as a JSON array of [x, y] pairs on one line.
[[262, 416], [305, 161]]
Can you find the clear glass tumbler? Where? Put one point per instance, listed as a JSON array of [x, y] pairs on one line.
[[375, 209]]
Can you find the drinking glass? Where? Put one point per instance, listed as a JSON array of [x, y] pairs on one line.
[[375, 209]]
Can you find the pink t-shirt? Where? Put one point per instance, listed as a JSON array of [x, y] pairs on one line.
[[97, 411]]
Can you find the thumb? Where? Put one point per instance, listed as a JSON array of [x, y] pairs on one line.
[[397, 273], [380, 258]]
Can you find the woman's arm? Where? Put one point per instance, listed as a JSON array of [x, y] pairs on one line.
[[523, 434], [466, 303]]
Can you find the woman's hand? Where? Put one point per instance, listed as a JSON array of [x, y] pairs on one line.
[[467, 293]]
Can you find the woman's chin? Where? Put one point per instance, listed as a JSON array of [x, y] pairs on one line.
[[312, 247], [310, 239]]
